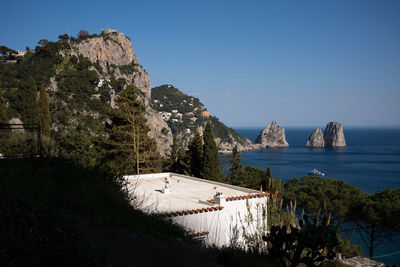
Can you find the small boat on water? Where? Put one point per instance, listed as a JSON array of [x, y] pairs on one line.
[[316, 172]]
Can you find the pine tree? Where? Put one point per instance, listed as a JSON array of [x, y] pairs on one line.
[[235, 169], [211, 162], [128, 149], [44, 112], [195, 155], [28, 95]]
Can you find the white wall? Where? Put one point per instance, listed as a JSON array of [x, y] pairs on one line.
[[225, 226]]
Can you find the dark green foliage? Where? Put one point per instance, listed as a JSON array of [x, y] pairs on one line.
[[128, 143], [128, 69], [211, 168], [269, 173], [63, 37], [377, 218], [235, 170], [28, 98], [311, 243], [195, 156], [44, 112], [7, 52], [251, 177], [347, 249], [315, 193], [76, 145], [182, 164]]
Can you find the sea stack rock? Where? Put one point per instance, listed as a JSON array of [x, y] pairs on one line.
[[316, 139], [333, 135], [272, 136]]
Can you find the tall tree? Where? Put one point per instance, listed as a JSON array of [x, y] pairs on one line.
[[195, 155], [269, 173], [173, 156], [211, 162], [128, 148], [28, 97], [377, 218], [235, 170], [44, 112]]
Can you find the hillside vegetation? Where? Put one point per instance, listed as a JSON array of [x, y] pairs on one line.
[[185, 115]]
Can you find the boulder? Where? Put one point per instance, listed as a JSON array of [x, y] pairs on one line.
[[316, 139], [272, 136], [333, 135]]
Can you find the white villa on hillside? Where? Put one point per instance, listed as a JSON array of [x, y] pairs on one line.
[[215, 212]]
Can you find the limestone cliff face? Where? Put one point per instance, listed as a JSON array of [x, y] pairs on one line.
[[333, 135], [114, 52], [272, 136], [316, 139]]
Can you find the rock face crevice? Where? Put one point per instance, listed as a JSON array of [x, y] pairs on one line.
[[272, 136], [332, 137]]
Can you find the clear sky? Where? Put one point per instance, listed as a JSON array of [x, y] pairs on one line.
[[301, 63]]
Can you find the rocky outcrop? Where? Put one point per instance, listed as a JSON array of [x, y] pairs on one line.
[[113, 51], [333, 135], [272, 136], [316, 139]]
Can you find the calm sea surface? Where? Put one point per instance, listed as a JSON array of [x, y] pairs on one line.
[[370, 161]]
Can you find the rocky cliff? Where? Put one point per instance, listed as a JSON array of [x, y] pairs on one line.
[[333, 135], [316, 139], [186, 115], [272, 136], [114, 52]]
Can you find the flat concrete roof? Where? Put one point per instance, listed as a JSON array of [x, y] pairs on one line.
[[186, 192]]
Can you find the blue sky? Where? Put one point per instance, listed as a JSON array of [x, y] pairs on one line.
[[301, 63]]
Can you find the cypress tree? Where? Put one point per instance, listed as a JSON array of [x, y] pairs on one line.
[[269, 173], [267, 183], [44, 112], [211, 162], [235, 169], [195, 155], [128, 148]]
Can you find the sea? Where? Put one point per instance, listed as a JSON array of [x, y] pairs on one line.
[[370, 161]]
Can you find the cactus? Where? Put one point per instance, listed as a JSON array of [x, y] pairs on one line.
[[311, 242]]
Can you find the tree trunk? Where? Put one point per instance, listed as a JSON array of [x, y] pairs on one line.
[[371, 242]]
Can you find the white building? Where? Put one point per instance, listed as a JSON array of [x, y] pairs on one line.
[[214, 211], [165, 115]]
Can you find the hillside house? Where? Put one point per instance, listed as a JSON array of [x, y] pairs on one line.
[[212, 211]]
